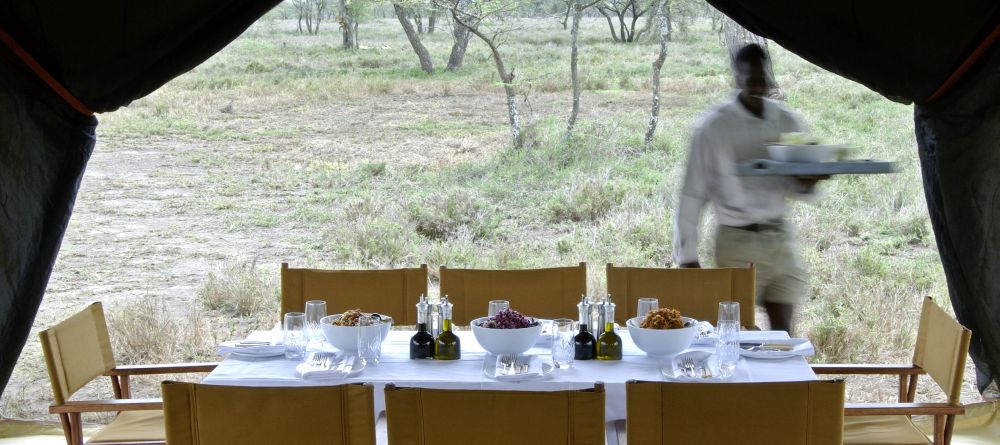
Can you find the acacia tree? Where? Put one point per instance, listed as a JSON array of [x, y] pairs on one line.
[[654, 113], [578, 6], [404, 11], [489, 21], [423, 55], [311, 12], [628, 13], [349, 11]]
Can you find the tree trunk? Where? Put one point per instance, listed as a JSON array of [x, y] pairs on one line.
[[611, 24], [348, 27], [419, 20], [574, 72], [569, 8], [461, 35], [425, 57], [431, 21], [649, 20], [737, 37], [507, 77], [654, 114]]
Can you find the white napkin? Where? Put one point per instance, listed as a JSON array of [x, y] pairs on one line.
[[704, 368], [326, 365], [248, 347], [534, 368]]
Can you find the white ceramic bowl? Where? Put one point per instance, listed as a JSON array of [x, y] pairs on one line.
[[345, 338], [505, 341], [805, 153], [660, 342]]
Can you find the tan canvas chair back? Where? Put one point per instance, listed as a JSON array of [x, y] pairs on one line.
[[77, 350], [805, 413], [542, 293], [694, 292], [392, 291], [418, 416], [941, 349], [211, 414]]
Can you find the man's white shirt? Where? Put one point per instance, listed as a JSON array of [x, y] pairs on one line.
[[722, 138]]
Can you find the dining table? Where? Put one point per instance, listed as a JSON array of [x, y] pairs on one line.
[[395, 366]]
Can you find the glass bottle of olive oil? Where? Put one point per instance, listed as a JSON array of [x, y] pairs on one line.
[[447, 346], [609, 344]]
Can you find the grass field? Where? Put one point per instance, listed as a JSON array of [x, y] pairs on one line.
[[284, 147]]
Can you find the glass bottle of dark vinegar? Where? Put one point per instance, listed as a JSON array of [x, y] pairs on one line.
[[422, 343], [585, 345], [447, 346]]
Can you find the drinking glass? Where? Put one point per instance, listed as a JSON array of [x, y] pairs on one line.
[[369, 339], [727, 347], [315, 311], [497, 306], [729, 311], [295, 338], [645, 305], [563, 347]]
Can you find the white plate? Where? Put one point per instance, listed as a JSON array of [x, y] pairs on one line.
[[769, 355], [490, 371], [256, 353]]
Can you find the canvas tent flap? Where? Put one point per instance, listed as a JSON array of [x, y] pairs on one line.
[[109, 53], [902, 49], [106, 54]]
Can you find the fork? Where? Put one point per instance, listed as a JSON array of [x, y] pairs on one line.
[[507, 363]]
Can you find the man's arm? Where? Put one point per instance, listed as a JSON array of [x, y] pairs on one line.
[[692, 199]]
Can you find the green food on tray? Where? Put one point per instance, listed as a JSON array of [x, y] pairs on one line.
[[797, 138]]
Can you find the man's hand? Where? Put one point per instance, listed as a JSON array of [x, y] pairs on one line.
[[810, 181], [691, 265]]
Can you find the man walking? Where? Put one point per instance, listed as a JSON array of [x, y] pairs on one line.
[[749, 210]]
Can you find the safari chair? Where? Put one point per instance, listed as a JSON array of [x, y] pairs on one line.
[[77, 351], [393, 292], [941, 349], [694, 292], [544, 293], [418, 416], [216, 414], [802, 413]]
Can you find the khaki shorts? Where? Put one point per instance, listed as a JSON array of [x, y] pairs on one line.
[[780, 275]]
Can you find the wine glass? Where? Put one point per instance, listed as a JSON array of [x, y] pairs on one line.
[[496, 306], [563, 347], [645, 305], [315, 311], [295, 338]]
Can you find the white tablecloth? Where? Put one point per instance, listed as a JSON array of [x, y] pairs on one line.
[[467, 373]]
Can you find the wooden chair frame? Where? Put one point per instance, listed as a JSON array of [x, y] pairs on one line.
[[944, 413], [70, 411]]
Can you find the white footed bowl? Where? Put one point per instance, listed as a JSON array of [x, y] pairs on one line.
[[345, 338], [506, 341], [660, 342]]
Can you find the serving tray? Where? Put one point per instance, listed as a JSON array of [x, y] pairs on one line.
[[768, 167]]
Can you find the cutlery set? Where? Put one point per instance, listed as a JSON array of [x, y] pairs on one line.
[[509, 366]]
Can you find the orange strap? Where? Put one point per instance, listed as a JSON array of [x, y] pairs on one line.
[[964, 67], [44, 75]]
